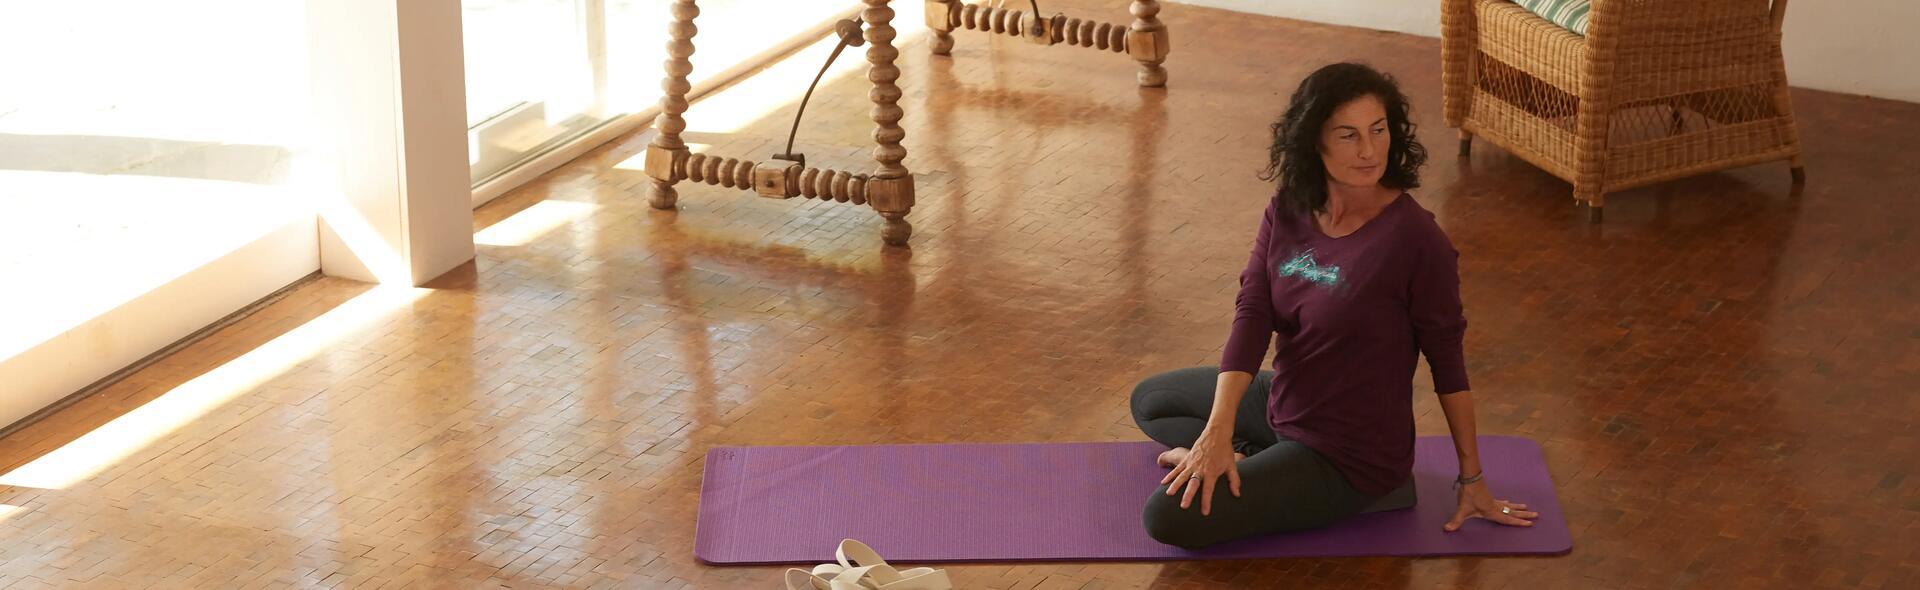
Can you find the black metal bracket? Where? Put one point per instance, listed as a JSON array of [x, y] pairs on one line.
[[850, 33]]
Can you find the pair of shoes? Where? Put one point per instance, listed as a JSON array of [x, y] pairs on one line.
[[860, 568]]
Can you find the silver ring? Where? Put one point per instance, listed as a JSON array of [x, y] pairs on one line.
[[1506, 510], [1194, 477]]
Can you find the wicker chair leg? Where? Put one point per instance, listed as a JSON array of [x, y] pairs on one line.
[[1591, 200], [1466, 143], [1783, 106]]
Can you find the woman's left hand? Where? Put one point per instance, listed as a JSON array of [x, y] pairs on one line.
[[1477, 502]]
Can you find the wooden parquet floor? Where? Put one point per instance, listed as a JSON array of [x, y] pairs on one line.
[[1722, 374]]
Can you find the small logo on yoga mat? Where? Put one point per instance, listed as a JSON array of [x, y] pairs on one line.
[[1302, 265]]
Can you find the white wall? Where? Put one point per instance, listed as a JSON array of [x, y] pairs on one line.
[[1418, 17], [1857, 47], [1866, 48]]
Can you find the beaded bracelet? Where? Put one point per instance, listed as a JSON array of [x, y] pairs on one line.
[[1457, 482]]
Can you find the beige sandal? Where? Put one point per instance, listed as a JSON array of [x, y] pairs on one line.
[[871, 573]]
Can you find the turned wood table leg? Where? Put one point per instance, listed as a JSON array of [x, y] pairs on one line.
[[1147, 42], [666, 156], [890, 189], [940, 19]]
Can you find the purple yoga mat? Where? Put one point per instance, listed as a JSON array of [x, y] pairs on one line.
[[1062, 502]]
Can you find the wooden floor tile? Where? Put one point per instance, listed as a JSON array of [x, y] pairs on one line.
[[1722, 374]]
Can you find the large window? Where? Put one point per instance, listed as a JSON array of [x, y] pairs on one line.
[[542, 72], [138, 141], [151, 179]]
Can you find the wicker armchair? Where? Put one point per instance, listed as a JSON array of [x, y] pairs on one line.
[[1656, 90]]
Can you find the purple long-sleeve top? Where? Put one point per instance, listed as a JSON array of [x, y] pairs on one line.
[[1352, 314]]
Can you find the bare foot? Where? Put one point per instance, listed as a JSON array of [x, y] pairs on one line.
[[1177, 454]]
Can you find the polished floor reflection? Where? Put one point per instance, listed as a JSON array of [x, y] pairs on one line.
[[1721, 374]]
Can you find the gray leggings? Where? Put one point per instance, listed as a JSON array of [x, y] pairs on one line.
[[1285, 486]]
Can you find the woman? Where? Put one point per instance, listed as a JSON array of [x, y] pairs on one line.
[[1358, 280]]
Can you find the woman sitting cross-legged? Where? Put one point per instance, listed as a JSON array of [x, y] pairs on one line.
[[1358, 280]]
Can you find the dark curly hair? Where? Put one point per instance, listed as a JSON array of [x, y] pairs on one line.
[[1295, 154]]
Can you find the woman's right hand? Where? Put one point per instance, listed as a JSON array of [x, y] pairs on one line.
[[1210, 457]]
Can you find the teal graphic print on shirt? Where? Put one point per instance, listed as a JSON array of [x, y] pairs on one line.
[[1302, 265]]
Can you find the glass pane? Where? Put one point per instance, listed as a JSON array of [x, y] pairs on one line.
[[541, 72], [140, 140], [532, 67]]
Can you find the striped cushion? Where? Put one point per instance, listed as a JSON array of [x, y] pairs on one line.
[[1571, 14]]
